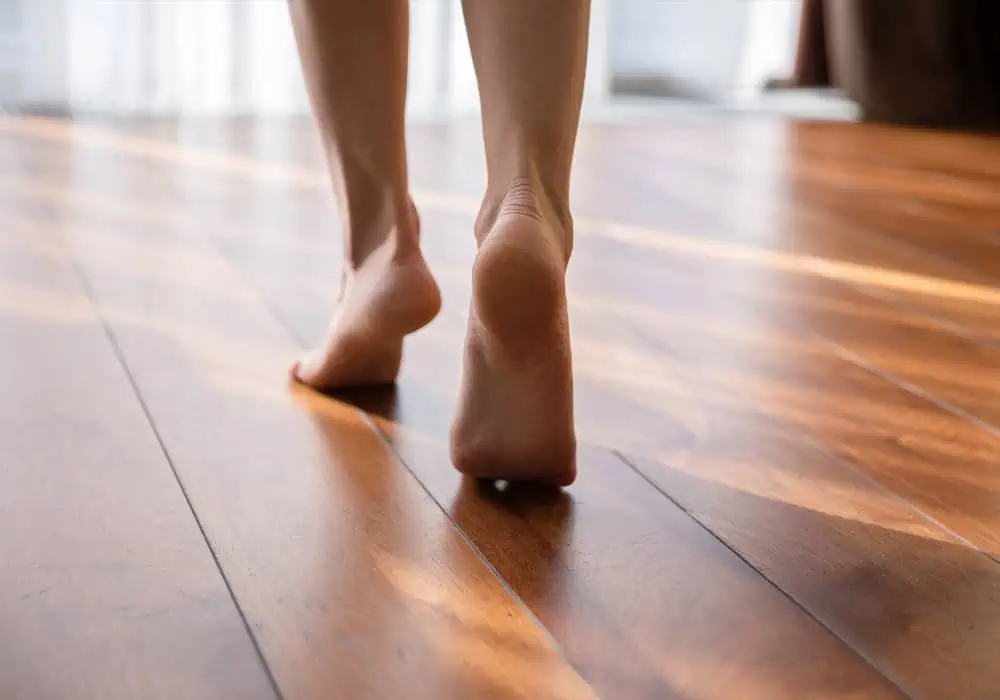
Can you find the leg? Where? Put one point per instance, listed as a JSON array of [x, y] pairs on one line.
[[354, 55], [515, 417]]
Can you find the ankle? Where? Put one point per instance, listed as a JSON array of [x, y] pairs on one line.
[[526, 196], [394, 225]]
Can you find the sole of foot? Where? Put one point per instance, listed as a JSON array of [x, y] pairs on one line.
[[381, 303], [515, 413]]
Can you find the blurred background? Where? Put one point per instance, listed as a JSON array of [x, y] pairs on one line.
[[236, 57]]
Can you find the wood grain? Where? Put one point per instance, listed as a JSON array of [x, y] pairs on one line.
[[635, 592], [720, 339], [809, 353], [109, 589], [639, 664], [721, 425], [788, 329], [349, 574]]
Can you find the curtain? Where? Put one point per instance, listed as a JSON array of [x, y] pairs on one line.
[[222, 57], [189, 56], [233, 57], [198, 57], [921, 62]]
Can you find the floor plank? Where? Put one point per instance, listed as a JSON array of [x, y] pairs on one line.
[[349, 574], [799, 350], [773, 207], [109, 589], [753, 373], [707, 337], [616, 634], [634, 591], [929, 660], [857, 528], [731, 437], [623, 637]]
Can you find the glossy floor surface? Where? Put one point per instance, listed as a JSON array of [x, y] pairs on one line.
[[787, 348]]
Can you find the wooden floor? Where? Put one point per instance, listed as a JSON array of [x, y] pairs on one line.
[[787, 347]]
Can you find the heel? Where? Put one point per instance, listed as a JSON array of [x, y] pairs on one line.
[[518, 280], [415, 299]]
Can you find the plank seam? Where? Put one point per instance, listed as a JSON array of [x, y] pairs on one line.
[[739, 555], [943, 404], [120, 356], [845, 354], [397, 457], [482, 557], [285, 326]]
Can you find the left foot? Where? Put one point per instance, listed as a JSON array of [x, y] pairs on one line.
[[382, 301]]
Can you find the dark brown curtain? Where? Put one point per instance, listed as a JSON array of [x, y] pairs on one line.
[[926, 62], [812, 69]]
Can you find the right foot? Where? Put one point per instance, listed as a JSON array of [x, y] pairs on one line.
[[515, 416], [381, 302]]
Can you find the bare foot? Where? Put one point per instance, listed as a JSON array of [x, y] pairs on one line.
[[515, 415], [382, 301]]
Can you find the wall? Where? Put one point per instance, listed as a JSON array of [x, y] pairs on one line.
[[769, 46], [42, 48], [11, 49], [704, 48]]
